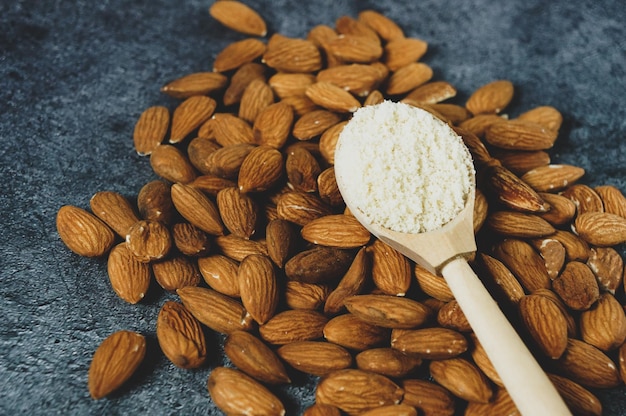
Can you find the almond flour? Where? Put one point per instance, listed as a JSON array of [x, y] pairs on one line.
[[404, 169]]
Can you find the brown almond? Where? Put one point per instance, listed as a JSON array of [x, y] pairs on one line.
[[189, 115], [375, 97], [520, 135], [237, 54], [408, 77], [355, 334], [211, 185], [608, 267], [481, 210], [402, 51], [258, 287], [237, 211], [462, 378], [301, 295], [293, 55], [577, 398], [180, 336], [315, 357], [197, 208], [577, 286], [219, 312], [256, 97], [431, 93], [220, 273], [482, 361], [115, 210], [189, 239], [430, 343], [286, 84], [242, 77], [355, 48], [562, 210], [545, 323], [391, 271], [150, 129], [328, 189], [199, 150], [512, 191], [239, 17], [545, 115], [587, 365], [350, 284], [604, 324], [575, 247], [387, 361], [197, 83], [230, 129], [524, 262], [355, 391], [261, 169], [521, 162], [553, 253], [114, 362], [252, 356], [272, 125], [301, 104], [234, 392], [491, 98], [503, 278], [293, 325], [429, 398], [388, 311], [171, 164], [148, 240], [302, 170], [451, 316], [452, 113], [318, 264], [300, 208], [519, 224], [238, 248], [226, 162], [332, 97], [347, 25], [318, 409], [280, 238], [600, 228], [500, 404], [386, 28], [552, 178], [391, 410], [339, 230], [154, 202], [130, 278], [176, 272], [313, 124], [82, 232], [479, 124], [432, 284], [584, 197], [357, 79], [613, 199], [328, 141]]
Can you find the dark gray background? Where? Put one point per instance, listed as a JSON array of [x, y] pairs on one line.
[[76, 75]]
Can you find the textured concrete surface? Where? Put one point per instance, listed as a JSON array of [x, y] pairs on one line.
[[75, 76]]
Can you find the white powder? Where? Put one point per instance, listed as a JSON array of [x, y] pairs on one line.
[[403, 168]]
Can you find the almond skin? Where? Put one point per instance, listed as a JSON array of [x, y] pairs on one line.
[[180, 336], [171, 164], [114, 362], [261, 169], [601, 228], [82, 232], [236, 393], [293, 55], [175, 272], [293, 325], [402, 51]]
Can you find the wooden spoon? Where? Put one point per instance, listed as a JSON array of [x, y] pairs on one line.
[[445, 251]]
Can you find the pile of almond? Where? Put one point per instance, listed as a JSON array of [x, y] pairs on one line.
[[246, 227]]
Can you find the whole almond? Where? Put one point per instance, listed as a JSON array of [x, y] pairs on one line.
[[211, 185], [328, 189], [176, 272], [197, 83], [236, 393], [280, 238], [237, 54], [518, 224], [546, 115], [199, 150], [197, 208], [258, 287], [462, 378], [608, 267], [256, 97], [355, 334], [402, 51], [481, 210], [600, 228], [388, 311], [513, 192], [355, 48], [521, 162], [293, 55], [237, 211], [115, 210], [613, 199], [587, 365], [250, 355], [315, 357], [347, 25], [575, 247], [520, 135], [482, 361], [562, 209], [314, 124], [114, 362], [238, 248], [452, 113], [215, 310], [154, 202], [261, 169], [130, 278], [341, 231], [545, 323], [580, 400], [358, 79], [432, 284], [409, 77], [220, 273], [273, 124], [391, 271], [332, 97], [242, 77], [239, 17], [150, 129], [189, 115], [189, 239], [318, 265], [572, 324], [300, 207], [318, 409], [226, 162], [230, 129], [285, 84], [524, 262], [387, 361], [391, 410], [552, 178], [355, 391], [500, 275], [428, 397], [148, 240], [430, 343], [171, 164], [301, 295], [577, 286], [180, 336], [604, 324], [451, 316], [501, 404], [584, 197], [479, 124], [82, 232], [293, 325], [302, 170], [431, 93], [386, 28], [491, 98]]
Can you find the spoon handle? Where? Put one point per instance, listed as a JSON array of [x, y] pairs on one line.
[[531, 390]]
